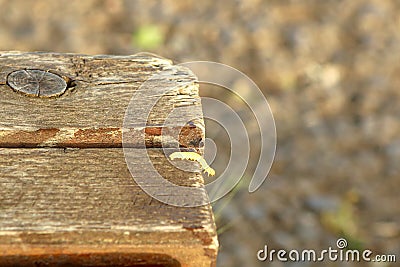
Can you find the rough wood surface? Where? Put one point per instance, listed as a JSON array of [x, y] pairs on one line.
[[67, 197], [80, 201], [91, 111]]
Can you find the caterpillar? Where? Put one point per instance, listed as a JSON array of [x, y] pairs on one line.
[[194, 157]]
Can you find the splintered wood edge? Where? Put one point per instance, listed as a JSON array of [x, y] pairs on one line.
[[91, 112]]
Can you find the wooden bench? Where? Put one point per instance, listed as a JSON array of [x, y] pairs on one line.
[[67, 197]]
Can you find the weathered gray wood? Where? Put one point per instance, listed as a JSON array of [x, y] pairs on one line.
[[56, 201], [94, 105], [37, 83], [73, 201]]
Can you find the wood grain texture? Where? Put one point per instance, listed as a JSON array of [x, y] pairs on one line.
[[67, 197], [83, 200], [95, 103], [36, 83]]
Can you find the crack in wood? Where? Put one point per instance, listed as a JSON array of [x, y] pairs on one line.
[[186, 137], [61, 202]]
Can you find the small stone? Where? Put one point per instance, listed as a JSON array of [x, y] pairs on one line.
[[321, 203]]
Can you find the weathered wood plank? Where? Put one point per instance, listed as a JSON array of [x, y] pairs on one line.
[[60, 205], [68, 203], [91, 111]]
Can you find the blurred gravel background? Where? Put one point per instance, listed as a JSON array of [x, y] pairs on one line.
[[331, 73]]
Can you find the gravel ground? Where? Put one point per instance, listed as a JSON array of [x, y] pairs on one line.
[[330, 70]]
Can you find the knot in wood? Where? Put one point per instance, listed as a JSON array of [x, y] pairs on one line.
[[36, 83]]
